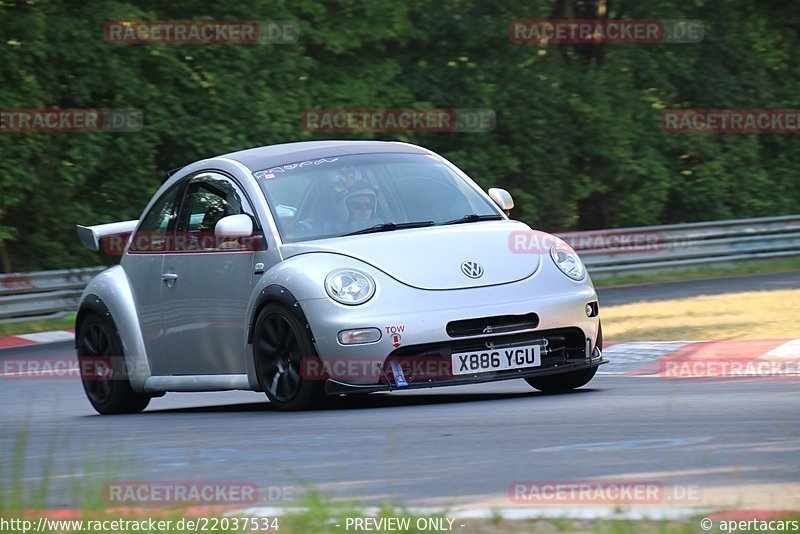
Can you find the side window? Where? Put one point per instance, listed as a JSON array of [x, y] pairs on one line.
[[208, 199], [155, 228]]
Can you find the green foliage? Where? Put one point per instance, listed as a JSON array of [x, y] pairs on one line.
[[577, 139]]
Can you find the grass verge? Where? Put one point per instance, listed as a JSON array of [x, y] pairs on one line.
[[37, 325], [748, 315]]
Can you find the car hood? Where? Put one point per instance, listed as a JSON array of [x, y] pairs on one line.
[[432, 257]]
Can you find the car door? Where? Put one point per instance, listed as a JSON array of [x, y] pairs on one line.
[[143, 263], [208, 281]]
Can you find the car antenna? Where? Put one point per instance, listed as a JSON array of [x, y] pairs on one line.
[[170, 173]]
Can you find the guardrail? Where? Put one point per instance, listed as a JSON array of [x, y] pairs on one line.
[[606, 253], [648, 249], [42, 294]]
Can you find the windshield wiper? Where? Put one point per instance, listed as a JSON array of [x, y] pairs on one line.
[[473, 217], [388, 227]]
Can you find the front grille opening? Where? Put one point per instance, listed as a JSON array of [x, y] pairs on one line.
[[557, 339], [431, 362], [492, 325]]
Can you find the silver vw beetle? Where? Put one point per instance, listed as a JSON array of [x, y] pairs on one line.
[[327, 268]]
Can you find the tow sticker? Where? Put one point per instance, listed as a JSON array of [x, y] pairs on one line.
[[394, 334]]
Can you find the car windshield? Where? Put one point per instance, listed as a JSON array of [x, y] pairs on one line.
[[356, 194]]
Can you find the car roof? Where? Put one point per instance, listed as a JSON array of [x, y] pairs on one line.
[[260, 158]]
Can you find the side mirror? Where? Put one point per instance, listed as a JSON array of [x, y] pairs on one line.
[[234, 226], [502, 198]]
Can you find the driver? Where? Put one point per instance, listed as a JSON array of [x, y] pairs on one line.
[[361, 202]]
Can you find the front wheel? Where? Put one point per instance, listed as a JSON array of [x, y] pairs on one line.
[[103, 370], [282, 349], [563, 381], [570, 380]]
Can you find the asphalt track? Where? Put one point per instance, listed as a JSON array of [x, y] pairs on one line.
[[715, 443]]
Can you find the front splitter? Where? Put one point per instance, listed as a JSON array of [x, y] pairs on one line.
[[335, 387]]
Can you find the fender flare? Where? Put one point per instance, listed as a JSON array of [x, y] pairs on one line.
[[92, 303], [280, 295]]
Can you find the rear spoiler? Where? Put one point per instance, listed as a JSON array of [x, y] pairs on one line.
[[90, 236]]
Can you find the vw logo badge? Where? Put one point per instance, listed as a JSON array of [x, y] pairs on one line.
[[472, 269]]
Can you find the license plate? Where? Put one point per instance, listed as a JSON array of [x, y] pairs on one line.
[[499, 359]]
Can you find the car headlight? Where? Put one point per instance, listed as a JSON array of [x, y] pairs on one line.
[[349, 286], [568, 261]]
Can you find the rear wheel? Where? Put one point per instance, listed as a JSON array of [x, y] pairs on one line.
[[104, 372], [282, 348]]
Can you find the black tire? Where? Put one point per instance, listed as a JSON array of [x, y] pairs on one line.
[[571, 380], [563, 381], [104, 372], [281, 349]]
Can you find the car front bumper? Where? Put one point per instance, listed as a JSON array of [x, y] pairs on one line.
[[414, 325]]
